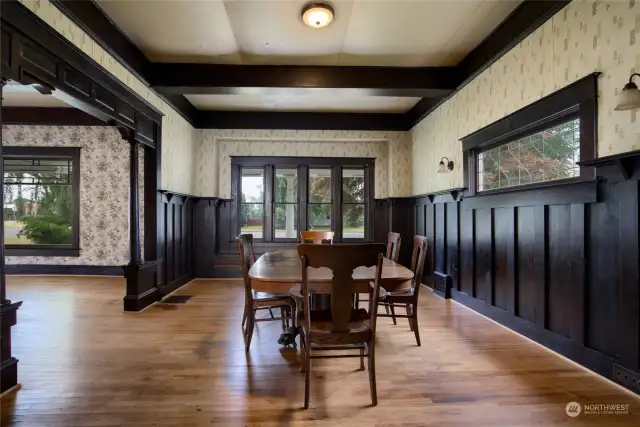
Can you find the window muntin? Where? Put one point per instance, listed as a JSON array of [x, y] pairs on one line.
[[547, 155]]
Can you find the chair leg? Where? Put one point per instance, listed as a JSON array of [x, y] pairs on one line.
[[416, 330], [244, 315], [356, 301], [303, 354], [409, 314], [251, 320], [372, 373], [386, 308], [362, 359], [271, 313], [393, 313], [307, 378]]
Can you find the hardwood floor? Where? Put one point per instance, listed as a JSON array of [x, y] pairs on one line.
[[84, 362]]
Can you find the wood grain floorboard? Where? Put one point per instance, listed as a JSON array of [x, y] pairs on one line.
[[84, 362]]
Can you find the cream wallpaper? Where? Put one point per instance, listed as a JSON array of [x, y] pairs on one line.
[[104, 190], [178, 136], [212, 173], [582, 38]]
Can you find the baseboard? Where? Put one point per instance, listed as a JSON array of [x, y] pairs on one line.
[[584, 356], [142, 301], [175, 285], [83, 270], [8, 374]]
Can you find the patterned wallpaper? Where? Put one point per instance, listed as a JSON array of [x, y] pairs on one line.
[[390, 149], [178, 136], [104, 190], [582, 38]]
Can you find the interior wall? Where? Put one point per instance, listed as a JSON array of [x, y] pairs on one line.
[[584, 37], [178, 136], [212, 173], [104, 190]]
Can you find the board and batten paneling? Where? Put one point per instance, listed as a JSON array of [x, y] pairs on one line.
[[565, 274]]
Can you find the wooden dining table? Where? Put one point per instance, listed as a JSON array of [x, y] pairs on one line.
[[279, 270]]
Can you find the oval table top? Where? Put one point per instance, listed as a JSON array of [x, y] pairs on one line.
[[283, 266]]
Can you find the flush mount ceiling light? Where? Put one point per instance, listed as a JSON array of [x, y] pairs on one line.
[[317, 15], [629, 98]]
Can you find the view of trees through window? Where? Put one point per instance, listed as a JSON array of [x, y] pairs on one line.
[[544, 156], [38, 201], [353, 203], [252, 203], [319, 214]]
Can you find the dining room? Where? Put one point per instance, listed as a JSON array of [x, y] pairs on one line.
[[328, 213]]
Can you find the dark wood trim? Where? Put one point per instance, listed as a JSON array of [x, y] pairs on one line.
[[616, 167], [87, 15], [35, 54], [134, 203], [586, 357], [577, 100], [181, 78], [313, 162], [72, 250], [83, 270], [300, 121], [555, 193], [48, 116], [524, 20], [561, 105]]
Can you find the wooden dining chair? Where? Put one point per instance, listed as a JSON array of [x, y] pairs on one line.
[[342, 327], [253, 300], [317, 237], [409, 298], [393, 251]]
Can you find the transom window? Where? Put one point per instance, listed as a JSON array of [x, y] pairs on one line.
[[548, 155], [277, 197], [41, 201]]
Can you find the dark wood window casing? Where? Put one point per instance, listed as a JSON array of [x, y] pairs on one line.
[[577, 100], [270, 166], [73, 154]]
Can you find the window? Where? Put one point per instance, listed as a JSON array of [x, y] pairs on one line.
[[540, 145], [544, 156], [353, 205], [277, 197], [252, 202], [41, 201], [320, 200], [286, 203]]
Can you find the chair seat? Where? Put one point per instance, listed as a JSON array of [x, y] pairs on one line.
[[270, 299], [398, 296], [321, 328]]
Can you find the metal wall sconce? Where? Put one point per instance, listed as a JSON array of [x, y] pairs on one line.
[[445, 167], [629, 98]]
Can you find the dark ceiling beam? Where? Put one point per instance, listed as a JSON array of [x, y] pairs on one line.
[[524, 20], [93, 21], [50, 116], [274, 79], [300, 121]]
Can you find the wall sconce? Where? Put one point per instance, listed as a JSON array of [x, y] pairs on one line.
[[629, 98], [445, 167]]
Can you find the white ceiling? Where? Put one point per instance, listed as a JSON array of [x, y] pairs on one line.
[[322, 101], [401, 33], [16, 95]]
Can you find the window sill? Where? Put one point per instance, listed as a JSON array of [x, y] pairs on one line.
[[16, 250], [561, 192]]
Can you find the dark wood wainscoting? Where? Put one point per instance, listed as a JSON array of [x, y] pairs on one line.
[[178, 246], [559, 265]]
